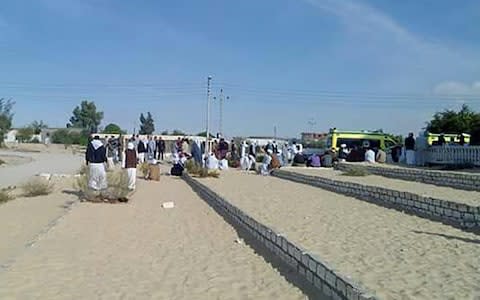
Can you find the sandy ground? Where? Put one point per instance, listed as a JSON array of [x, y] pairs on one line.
[[54, 161], [428, 190], [435, 168], [397, 255], [23, 219], [13, 160], [140, 251]]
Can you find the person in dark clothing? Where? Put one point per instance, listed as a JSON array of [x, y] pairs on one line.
[[356, 155], [131, 165], [299, 159], [141, 150], [96, 157], [461, 139], [233, 151], [410, 149], [441, 140], [396, 151], [222, 149], [161, 148]]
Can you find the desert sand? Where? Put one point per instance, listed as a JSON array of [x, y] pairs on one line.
[[396, 255], [52, 160], [137, 250], [428, 190]]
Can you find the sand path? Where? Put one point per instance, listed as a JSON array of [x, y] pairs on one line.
[[141, 251], [24, 219], [62, 163], [429, 190], [397, 255]]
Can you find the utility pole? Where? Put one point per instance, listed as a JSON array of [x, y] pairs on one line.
[[275, 132], [208, 117], [221, 98]]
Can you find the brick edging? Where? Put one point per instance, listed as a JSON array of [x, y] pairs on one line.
[[441, 178], [318, 273], [457, 214]]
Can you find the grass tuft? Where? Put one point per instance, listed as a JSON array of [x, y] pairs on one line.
[[356, 172], [37, 187]]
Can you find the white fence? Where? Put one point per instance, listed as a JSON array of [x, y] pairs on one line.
[[453, 155]]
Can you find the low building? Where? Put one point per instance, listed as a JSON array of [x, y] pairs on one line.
[[308, 137]]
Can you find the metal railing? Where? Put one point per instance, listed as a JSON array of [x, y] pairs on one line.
[[453, 155]]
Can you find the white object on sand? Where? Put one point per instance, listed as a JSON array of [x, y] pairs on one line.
[[47, 176], [168, 205]]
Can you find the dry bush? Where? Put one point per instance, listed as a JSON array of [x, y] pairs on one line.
[[83, 170], [2, 162], [117, 188], [193, 167], [5, 196], [144, 169], [86, 193], [117, 185], [357, 172], [37, 187]]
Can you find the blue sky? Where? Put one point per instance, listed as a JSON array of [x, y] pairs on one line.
[[336, 63]]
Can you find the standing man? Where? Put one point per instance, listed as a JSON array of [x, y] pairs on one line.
[[141, 149], [131, 165], [151, 149], [233, 151], [410, 149], [96, 157], [155, 140], [161, 148]]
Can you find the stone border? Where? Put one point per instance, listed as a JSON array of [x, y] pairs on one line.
[[456, 214], [319, 274], [441, 178]]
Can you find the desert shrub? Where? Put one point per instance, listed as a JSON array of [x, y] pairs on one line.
[[144, 169], [234, 163], [117, 185], [85, 193], [356, 172], [83, 170], [117, 188], [2, 162], [37, 187], [259, 158], [5, 196], [192, 166]]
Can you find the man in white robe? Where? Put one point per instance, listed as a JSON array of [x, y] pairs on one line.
[[96, 158]]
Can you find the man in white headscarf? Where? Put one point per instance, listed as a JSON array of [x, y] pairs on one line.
[[267, 159], [212, 162], [96, 157], [130, 164]]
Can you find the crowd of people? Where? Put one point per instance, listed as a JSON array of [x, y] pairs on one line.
[[245, 155]]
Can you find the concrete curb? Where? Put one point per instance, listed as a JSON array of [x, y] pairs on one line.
[[318, 273], [452, 213], [441, 178]]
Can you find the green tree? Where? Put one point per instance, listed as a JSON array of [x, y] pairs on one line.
[[25, 134], [38, 126], [450, 121], [113, 129], [204, 134], [86, 116], [177, 132], [147, 125], [165, 132], [6, 116]]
